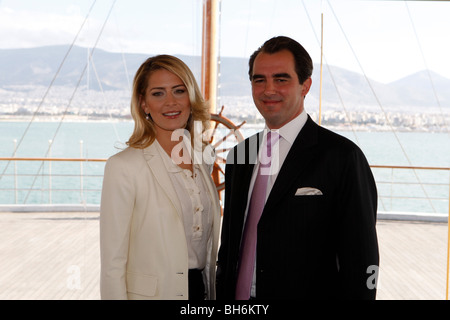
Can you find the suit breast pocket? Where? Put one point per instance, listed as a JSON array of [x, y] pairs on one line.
[[309, 208]]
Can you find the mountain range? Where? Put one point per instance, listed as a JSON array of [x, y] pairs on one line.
[[38, 66]]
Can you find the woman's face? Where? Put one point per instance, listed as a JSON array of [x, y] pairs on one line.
[[167, 101]]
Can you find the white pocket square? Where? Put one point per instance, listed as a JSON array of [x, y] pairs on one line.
[[307, 191]]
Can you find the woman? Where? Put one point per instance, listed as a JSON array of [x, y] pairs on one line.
[[160, 214]]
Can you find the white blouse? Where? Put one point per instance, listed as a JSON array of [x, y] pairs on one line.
[[196, 205]]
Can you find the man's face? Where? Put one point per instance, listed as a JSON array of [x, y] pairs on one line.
[[276, 90]]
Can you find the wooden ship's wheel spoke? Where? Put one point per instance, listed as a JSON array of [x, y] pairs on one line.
[[225, 135]]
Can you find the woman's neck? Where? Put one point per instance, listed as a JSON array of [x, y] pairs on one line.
[[166, 142]]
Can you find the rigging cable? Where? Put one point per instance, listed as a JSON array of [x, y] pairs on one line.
[[120, 37], [427, 68], [219, 57], [446, 128], [91, 60], [127, 76], [248, 27], [332, 77], [381, 107], [71, 98], [49, 87]]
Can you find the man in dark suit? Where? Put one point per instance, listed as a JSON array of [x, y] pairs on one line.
[[316, 236]]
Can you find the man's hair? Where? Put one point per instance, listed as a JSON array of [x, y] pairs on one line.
[[302, 59]]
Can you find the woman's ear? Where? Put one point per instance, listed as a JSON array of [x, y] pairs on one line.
[[142, 103]]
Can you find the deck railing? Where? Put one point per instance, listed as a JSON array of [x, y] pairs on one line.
[[422, 186], [29, 187], [43, 178]]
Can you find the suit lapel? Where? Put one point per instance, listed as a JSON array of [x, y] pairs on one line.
[[241, 161], [252, 146], [157, 167], [297, 160]]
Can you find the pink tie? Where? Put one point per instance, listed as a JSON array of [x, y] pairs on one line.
[[257, 202]]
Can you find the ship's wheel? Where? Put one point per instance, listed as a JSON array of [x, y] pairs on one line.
[[225, 135]]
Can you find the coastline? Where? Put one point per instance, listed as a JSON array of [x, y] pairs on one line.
[[364, 127]]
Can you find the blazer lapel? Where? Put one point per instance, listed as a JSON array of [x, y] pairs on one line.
[[158, 169], [297, 160]]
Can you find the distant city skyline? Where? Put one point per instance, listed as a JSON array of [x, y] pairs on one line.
[[410, 103], [386, 40]]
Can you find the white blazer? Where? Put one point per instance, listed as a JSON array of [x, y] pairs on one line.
[[142, 240]]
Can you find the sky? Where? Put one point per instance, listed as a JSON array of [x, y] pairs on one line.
[[385, 40]]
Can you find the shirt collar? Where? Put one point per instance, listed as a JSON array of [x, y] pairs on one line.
[[167, 160], [168, 163], [290, 130]]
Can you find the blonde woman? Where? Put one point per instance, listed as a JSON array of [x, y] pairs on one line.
[[160, 214]]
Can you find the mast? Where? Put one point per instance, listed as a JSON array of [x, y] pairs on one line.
[[321, 70], [209, 53]]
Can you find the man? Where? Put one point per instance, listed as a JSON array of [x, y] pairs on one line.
[[316, 236]]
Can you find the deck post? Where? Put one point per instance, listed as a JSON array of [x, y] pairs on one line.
[[448, 241]]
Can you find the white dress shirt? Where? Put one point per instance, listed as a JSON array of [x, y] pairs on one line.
[[196, 205], [288, 133]]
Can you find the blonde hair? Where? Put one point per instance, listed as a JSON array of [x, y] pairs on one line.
[[144, 132]]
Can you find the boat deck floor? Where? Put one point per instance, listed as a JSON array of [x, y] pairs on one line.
[[56, 256]]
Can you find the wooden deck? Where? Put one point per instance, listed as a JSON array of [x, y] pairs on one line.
[[55, 256]]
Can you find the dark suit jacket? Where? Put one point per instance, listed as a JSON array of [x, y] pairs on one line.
[[311, 247]]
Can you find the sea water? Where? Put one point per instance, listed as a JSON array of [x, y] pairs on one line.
[[44, 182]]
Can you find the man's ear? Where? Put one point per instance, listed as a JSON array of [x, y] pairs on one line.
[[306, 86]]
